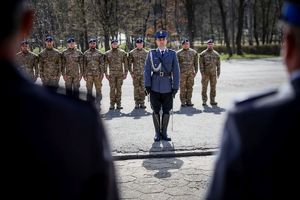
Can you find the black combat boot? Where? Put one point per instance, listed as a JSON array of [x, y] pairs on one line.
[[69, 92], [89, 97], [156, 122], [76, 94], [165, 122]]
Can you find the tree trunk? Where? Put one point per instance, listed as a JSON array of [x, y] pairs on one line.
[[255, 23], [190, 10], [224, 26], [240, 27]]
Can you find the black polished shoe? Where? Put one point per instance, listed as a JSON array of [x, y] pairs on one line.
[[189, 104], [119, 107], [136, 107], [183, 105], [111, 107], [204, 104], [165, 137], [157, 138]]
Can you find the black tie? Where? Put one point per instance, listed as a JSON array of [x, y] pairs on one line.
[[162, 53]]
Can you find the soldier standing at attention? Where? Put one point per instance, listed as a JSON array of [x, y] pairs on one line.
[[162, 83], [116, 61], [210, 71], [188, 63], [136, 62], [28, 61], [50, 65], [72, 68], [93, 71]]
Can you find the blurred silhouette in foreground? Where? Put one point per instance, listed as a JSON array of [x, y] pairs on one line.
[[258, 156], [54, 147]]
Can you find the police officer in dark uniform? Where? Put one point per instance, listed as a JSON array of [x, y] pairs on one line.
[[162, 83], [258, 156]]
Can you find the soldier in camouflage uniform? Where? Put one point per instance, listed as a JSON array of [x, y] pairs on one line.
[[210, 71], [188, 64], [117, 63], [50, 65], [136, 62], [72, 68], [28, 61], [93, 65]]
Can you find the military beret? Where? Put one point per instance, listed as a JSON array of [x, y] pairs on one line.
[[161, 34], [113, 41], [49, 38], [209, 41], [185, 41], [23, 42], [71, 39], [92, 40], [291, 13], [139, 40]]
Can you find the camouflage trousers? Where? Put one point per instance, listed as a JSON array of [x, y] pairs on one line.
[[92, 80], [139, 89], [186, 87], [72, 84], [50, 81], [115, 83], [212, 79]]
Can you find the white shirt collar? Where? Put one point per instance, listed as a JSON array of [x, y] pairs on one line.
[[160, 50]]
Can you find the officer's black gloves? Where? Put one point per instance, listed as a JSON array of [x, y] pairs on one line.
[[147, 90], [174, 91]]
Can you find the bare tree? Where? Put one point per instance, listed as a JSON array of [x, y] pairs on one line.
[[224, 25]]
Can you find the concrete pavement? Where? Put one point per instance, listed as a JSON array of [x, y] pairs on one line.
[[165, 178]]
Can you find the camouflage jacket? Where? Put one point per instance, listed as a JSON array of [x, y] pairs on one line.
[[28, 63], [116, 61], [136, 61], [209, 61], [50, 62], [93, 62], [188, 60], [72, 62]]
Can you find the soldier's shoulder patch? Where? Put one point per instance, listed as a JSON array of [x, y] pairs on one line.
[[248, 99]]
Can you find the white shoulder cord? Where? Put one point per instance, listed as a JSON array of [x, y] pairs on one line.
[[155, 69]]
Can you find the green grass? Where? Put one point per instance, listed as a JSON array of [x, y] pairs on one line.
[[246, 56]]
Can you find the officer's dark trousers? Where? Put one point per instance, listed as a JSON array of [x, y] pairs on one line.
[[161, 100]]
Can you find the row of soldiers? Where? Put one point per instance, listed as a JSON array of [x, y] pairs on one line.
[[114, 64]]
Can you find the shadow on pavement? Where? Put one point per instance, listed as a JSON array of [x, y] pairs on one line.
[[214, 109], [189, 111], [138, 113], [160, 164], [135, 113]]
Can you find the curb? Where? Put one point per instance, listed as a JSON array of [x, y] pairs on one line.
[[162, 154]]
